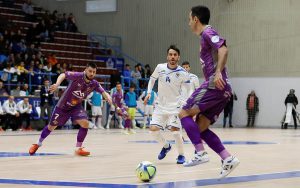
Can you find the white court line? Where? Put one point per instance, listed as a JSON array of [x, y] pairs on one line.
[[129, 176]]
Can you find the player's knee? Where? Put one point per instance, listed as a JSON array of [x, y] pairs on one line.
[[182, 114], [51, 128], [174, 130], [153, 128]]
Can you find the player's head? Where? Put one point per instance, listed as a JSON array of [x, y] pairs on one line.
[[118, 86], [292, 91], [26, 100], [186, 66], [199, 17], [46, 82], [90, 71], [173, 55], [11, 98], [132, 87]]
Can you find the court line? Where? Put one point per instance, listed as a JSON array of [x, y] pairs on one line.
[[180, 184], [129, 176]]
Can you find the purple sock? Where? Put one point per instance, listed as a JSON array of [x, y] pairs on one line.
[[44, 134], [214, 142], [81, 136], [192, 131], [127, 123]]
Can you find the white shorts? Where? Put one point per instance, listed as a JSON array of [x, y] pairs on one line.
[[96, 111], [148, 109], [112, 108], [166, 121]]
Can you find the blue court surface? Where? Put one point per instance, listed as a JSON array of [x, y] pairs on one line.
[[181, 184]]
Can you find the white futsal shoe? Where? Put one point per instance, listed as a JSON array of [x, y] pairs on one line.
[[199, 158], [228, 165]]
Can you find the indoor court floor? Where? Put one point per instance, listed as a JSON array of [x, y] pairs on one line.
[[269, 158]]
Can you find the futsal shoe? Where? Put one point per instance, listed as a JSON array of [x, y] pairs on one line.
[[199, 158], [33, 149], [82, 152], [164, 152], [180, 159], [228, 165]]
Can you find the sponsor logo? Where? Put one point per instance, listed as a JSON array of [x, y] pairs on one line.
[[78, 94], [74, 102], [215, 39]]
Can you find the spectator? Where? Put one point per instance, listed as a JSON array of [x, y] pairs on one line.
[[46, 101], [48, 68], [71, 24], [25, 90], [136, 75], [142, 71], [57, 70], [252, 108], [228, 110], [96, 103], [22, 71], [2, 118], [42, 31], [25, 110], [12, 115], [32, 35], [293, 101], [130, 101], [16, 91], [52, 59], [38, 75], [127, 75], [3, 91], [29, 11], [148, 71]]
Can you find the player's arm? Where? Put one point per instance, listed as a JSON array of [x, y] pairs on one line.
[[59, 80], [151, 83], [222, 59]]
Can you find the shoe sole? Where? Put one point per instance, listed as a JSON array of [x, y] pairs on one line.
[[237, 164], [195, 164]]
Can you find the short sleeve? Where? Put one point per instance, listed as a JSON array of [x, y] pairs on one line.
[[73, 75], [213, 38], [155, 72], [99, 88]]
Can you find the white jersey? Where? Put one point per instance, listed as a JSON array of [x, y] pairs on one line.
[[171, 83], [194, 83]]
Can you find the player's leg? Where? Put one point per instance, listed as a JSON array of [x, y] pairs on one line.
[[156, 125], [132, 112], [230, 118], [59, 117], [229, 162], [111, 113], [175, 125], [83, 130], [99, 122], [94, 116]]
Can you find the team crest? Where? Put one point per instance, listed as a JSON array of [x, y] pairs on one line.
[[177, 75], [74, 102]]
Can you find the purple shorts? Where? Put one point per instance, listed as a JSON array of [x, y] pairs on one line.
[[211, 102], [60, 116]]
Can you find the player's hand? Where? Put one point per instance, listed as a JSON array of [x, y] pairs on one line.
[[53, 88], [108, 98], [218, 81], [147, 98]]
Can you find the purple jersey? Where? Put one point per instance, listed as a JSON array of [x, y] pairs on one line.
[[77, 90], [117, 98], [210, 43]]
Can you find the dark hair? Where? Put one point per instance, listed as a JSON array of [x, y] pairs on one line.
[[202, 13], [132, 86], [92, 64], [127, 65], [173, 47], [118, 83], [185, 63]]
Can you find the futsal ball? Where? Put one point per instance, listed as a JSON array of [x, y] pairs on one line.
[[145, 171]]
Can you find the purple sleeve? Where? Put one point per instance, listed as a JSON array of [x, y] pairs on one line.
[[99, 88], [73, 75], [213, 38]]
